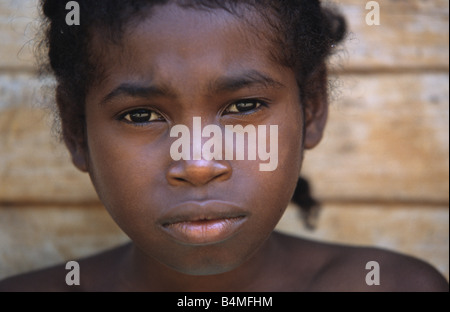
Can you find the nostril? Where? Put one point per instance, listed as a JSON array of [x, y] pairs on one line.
[[222, 172], [198, 173]]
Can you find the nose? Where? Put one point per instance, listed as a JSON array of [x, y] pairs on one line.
[[198, 172]]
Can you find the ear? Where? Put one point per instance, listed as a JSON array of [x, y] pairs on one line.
[[316, 107], [78, 153], [73, 138]]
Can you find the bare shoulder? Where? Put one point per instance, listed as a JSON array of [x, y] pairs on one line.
[[399, 272], [337, 267], [94, 274], [50, 279]]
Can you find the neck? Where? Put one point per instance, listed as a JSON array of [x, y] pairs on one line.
[[150, 275]]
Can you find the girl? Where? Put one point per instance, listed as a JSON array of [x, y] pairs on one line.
[[135, 70]]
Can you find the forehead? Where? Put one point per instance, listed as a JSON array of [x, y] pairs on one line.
[[175, 45]]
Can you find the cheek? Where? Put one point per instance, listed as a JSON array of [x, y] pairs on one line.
[[124, 171], [271, 191], [290, 142], [290, 158]]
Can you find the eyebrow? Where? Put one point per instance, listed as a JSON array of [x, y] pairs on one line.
[[137, 91], [249, 79]]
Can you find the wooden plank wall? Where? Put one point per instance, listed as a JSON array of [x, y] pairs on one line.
[[381, 172]]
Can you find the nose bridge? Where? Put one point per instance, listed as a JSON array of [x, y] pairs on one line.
[[198, 170], [198, 138]]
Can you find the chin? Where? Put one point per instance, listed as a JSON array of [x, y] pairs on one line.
[[206, 267], [210, 260]]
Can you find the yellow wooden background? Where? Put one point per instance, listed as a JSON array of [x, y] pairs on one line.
[[382, 170]]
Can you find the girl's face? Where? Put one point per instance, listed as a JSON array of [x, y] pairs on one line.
[[196, 216]]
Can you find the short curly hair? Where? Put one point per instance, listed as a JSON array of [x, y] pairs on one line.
[[304, 31]]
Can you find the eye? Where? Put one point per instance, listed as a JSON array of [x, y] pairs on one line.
[[244, 106], [140, 116]]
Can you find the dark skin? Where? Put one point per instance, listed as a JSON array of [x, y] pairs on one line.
[[171, 68]]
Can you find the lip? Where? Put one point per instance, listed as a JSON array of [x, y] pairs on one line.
[[203, 223]]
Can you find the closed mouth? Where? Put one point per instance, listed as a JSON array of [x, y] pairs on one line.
[[204, 223]]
